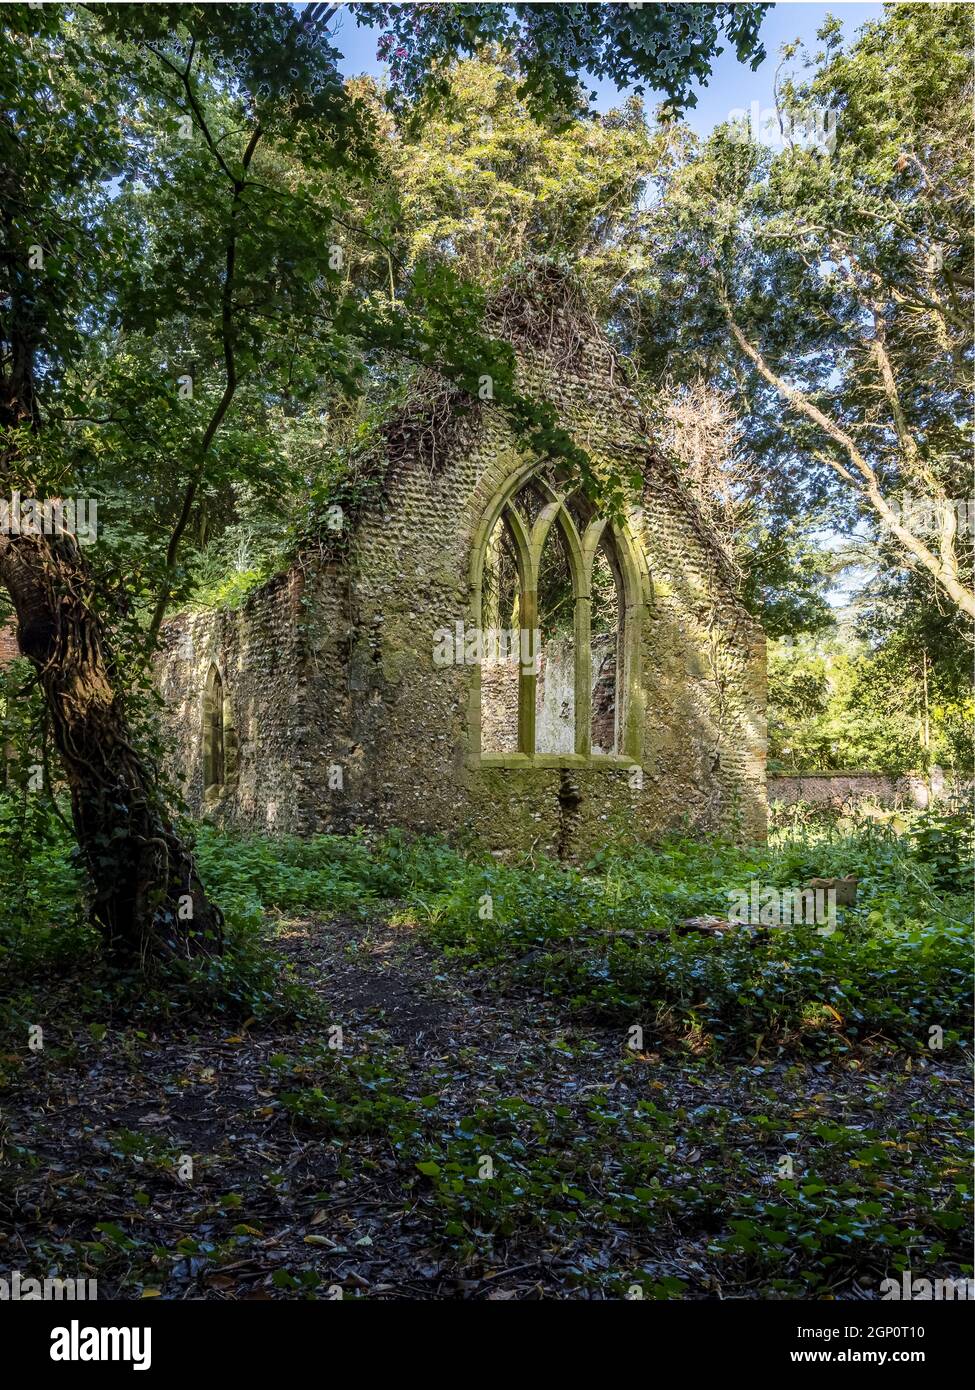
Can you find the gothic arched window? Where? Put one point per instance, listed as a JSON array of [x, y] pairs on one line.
[[214, 740], [558, 598]]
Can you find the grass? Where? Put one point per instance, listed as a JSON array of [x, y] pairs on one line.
[[600, 938]]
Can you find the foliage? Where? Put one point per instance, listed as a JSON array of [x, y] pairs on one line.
[[43, 890], [601, 940], [752, 1118], [203, 213], [43, 917], [183, 191], [832, 283], [484, 184], [895, 961], [837, 702], [557, 46]]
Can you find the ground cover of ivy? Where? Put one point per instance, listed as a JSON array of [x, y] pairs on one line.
[[383, 1092]]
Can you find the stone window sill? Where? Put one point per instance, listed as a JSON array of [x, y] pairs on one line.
[[605, 761]]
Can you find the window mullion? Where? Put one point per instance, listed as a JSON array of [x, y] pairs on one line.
[[583, 674], [528, 670]]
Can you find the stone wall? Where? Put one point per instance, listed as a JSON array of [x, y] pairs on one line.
[[703, 689], [555, 728], [499, 693], [332, 667], [556, 680], [835, 788], [605, 694], [257, 650]]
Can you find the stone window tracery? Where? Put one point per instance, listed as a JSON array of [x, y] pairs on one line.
[[558, 601]]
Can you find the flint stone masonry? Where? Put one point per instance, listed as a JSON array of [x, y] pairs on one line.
[[499, 687], [341, 717], [259, 656]]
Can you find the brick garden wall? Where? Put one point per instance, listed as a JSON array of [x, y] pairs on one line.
[[831, 788], [8, 643]]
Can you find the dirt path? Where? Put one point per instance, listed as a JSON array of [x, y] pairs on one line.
[[278, 1202]]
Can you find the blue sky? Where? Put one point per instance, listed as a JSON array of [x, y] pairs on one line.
[[732, 84]]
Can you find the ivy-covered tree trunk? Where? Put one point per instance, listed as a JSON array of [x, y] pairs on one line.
[[148, 898]]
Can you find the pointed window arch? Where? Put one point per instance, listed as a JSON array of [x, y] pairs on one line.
[[559, 593], [214, 735]]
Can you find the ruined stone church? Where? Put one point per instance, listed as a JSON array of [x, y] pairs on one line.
[[477, 651]]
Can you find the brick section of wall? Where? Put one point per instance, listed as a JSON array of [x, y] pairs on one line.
[[343, 673], [835, 788], [8, 643]]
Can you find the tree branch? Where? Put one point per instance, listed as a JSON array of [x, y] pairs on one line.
[[944, 568], [223, 405]]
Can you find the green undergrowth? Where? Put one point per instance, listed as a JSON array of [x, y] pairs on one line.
[[599, 938], [769, 1156]]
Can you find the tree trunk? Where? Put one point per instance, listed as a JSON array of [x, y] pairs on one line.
[[148, 898]]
